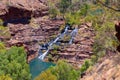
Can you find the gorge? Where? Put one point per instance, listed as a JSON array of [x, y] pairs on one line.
[[58, 40]]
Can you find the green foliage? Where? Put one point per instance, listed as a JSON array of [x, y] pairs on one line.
[[50, 57], [72, 18], [46, 75], [84, 9], [56, 47], [4, 31], [105, 39], [5, 77], [63, 5], [13, 62], [85, 66], [2, 48], [62, 71], [53, 12], [94, 59], [1, 22]]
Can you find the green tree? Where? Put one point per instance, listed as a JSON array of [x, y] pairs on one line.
[[13, 62], [85, 66], [65, 71]]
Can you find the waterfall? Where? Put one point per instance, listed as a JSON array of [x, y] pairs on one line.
[[48, 46], [43, 55], [73, 34]]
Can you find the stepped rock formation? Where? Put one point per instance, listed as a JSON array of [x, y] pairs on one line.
[[81, 48], [30, 37], [41, 29]]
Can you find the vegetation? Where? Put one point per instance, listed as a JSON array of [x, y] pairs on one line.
[[62, 71], [46, 75], [2, 47], [13, 63], [4, 31], [5, 77]]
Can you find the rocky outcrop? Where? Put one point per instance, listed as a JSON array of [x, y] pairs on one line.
[[117, 28], [105, 69], [15, 9]]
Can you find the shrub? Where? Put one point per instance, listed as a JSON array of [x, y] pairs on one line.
[[85, 66], [72, 18]]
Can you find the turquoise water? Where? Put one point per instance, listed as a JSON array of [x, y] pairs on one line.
[[37, 66]]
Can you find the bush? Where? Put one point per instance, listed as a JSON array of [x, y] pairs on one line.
[[85, 66], [72, 18]]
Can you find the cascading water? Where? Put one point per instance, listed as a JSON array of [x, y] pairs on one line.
[[43, 55], [73, 34], [49, 46]]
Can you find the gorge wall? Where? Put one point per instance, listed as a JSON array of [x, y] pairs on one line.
[[41, 29]]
